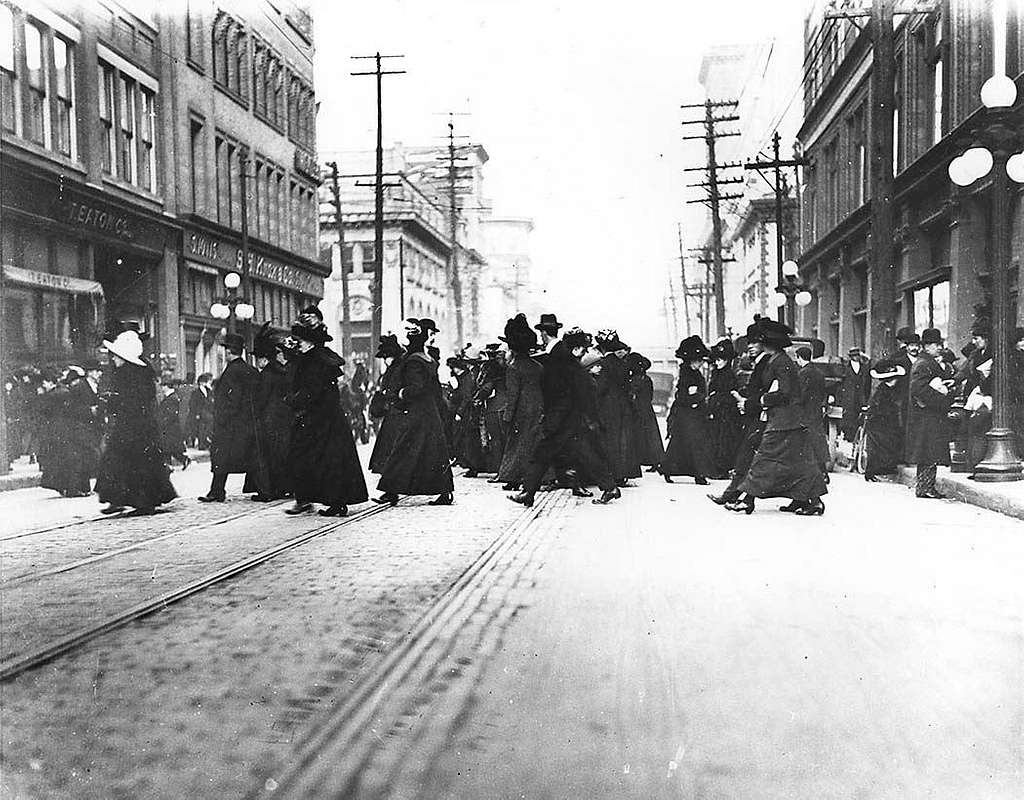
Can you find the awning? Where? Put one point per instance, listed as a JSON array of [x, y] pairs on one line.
[[47, 280]]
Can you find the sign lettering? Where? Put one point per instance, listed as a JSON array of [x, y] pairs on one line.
[[88, 216], [200, 245]]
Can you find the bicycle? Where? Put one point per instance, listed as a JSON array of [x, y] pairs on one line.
[[859, 461]]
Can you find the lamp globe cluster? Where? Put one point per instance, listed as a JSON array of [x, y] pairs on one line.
[[220, 311]]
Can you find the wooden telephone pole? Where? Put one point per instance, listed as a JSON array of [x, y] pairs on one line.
[[714, 196], [346, 313], [377, 301]]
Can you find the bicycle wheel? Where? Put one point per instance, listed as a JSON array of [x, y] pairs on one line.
[[860, 450]]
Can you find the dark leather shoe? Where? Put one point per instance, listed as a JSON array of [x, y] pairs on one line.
[[298, 508], [388, 498], [700, 480], [141, 512], [579, 491], [718, 500], [523, 498], [112, 509], [212, 498], [509, 487], [333, 511], [741, 506], [793, 506], [446, 499], [667, 477], [811, 510], [470, 473], [604, 499]]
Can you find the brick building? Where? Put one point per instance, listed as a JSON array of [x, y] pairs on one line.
[[941, 258], [122, 136]]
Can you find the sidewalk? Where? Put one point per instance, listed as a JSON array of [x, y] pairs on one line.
[[1005, 498], [24, 475]]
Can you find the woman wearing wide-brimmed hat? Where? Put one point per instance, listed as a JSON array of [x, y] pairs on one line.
[[419, 462], [689, 440], [646, 433], [322, 455], [785, 464], [524, 403], [382, 404], [615, 407], [884, 424], [132, 472], [271, 478]]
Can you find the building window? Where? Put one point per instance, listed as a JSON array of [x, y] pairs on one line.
[[197, 162], [936, 76], [147, 137], [106, 97], [64, 84], [8, 74], [127, 160], [832, 184], [37, 116], [222, 160], [897, 119], [931, 307], [259, 79], [193, 35], [230, 55]]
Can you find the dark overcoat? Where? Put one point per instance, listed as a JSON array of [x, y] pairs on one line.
[[234, 418], [615, 416], [172, 437], [271, 476], [856, 388], [927, 430], [903, 396], [85, 428], [200, 412], [491, 396], [521, 417], [785, 464], [884, 431], [50, 424], [646, 433], [382, 407], [689, 443], [322, 460], [813, 392], [131, 469], [418, 462], [726, 419]]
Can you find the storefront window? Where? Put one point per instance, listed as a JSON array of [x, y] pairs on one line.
[[931, 307]]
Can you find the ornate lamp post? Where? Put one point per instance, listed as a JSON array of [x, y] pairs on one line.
[[997, 141], [791, 293], [232, 306]]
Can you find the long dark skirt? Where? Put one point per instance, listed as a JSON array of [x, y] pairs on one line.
[[726, 427], [688, 451], [647, 437], [519, 448], [784, 466], [385, 441], [884, 445], [418, 462]]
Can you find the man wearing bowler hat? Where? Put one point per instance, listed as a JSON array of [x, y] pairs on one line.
[[548, 327], [234, 419], [908, 347]]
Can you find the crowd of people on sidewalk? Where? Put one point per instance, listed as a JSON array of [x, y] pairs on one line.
[[535, 409]]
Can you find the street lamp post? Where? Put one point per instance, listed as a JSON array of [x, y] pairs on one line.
[[790, 292], [995, 153], [232, 306]]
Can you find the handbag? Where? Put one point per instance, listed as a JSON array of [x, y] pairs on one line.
[[379, 405]]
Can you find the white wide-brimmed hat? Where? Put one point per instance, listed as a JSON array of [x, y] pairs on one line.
[[128, 346]]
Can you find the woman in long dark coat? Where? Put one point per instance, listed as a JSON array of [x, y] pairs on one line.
[[419, 462], [491, 396], [322, 456], [786, 461], [723, 408], [83, 434], [689, 439], [48, 410], [883, 426], [132, 471], [382, 404], [271, 478], [524, 403], [646, 434], [615, 407]]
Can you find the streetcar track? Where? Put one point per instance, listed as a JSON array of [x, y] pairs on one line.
[[28, 577], [12, 667]]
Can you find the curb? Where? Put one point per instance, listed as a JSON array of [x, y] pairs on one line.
[[27, 480]]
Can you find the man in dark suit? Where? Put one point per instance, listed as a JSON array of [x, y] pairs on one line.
[[753, 423], [929, 403], [856, 390], [234, 420], [200, 412]]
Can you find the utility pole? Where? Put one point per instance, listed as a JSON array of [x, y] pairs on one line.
[[377, 300], [453, 224], [346, 319], [714, 196], [244, 285], [682, 278], [787, 314]]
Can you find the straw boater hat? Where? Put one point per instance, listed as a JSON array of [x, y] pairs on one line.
[[128, 346], [886, 369]]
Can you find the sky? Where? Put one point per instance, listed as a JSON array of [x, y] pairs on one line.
[[577, 104]]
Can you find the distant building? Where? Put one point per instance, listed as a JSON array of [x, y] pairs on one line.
[[941, 259]]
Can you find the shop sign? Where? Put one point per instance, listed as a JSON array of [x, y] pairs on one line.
[[227, 255], [88, 215], [47, 280]]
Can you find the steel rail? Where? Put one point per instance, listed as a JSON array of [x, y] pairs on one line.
[[13, 667]]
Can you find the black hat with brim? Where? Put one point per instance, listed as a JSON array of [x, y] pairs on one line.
[[692, 348], [931, 336], [316, 334], [886, 369], [723, 349], [773, 333], [548, 322], [908, 336], [389, 347], [233, 341]]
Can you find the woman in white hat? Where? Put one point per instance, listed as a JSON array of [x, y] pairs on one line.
[[132, 472]]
